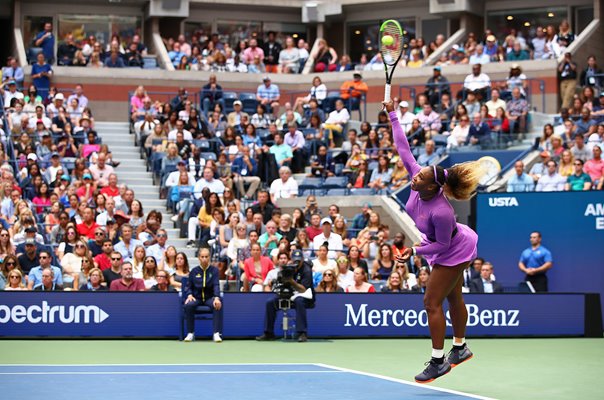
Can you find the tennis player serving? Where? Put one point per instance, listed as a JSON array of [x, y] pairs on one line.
[[448, 247]]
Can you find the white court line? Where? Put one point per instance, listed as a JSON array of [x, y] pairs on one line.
[[145, 365], [423, 386], [172, 372]]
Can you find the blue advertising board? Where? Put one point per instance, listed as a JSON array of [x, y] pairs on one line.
[[572, 228], [140, 315]]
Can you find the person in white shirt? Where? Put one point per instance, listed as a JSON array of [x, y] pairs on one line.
[[79, 95], [345, 275], [285, 187], [11, 93], [337, 118], [173, 178], [405, 118], [101, 171], [494, 103], [215, 185], [158, 249], [551, 181], [109, 212], [180, 127], [477, 81], [333, 239]]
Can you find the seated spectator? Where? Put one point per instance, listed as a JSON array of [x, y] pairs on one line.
[[321, 263], [289, 57], [383, 264], [282, 152], [127, 282], [520, 181], [338, 118], [325, 57], [285, 187], [429, 120], [114, 60], [471, 104], [128, 243], [579, 180], [333, 240], [394, 284], [477, 82], [353, 91], [436, 86], [329, 283], [360, 283], [485, 283], [459, 134], [586, 125], [479, 133], [269, 240], [422, 281], [595, 167], [495, 103], [48, 284], [429, 156], [382, 175], [268, 95], [35, 274], [415, 61], [256, 269], [517, 53], [551, 181], [12, 72], [516, 111]]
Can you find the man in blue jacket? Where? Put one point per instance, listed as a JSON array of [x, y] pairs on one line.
[[203, 289]]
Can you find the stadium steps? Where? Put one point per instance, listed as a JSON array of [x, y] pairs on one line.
[[132, 171]]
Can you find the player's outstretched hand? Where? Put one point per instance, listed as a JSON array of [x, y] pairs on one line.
[[388, 105]]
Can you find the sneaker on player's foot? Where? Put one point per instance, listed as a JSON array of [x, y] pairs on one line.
[[190, 244], [190, 337], [217, 337], [458, 355], [433, 370], [302, 337]]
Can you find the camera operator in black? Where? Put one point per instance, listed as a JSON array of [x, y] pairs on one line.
[[299, 283]]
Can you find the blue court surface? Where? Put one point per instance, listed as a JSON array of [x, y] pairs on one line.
[[208, 381]]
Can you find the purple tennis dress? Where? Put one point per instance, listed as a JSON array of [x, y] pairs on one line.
[[444, 241]]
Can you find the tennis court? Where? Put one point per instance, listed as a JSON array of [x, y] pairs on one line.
[[338, 369], [241, 381]]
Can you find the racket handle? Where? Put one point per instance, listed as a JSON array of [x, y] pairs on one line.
[[387, 92]]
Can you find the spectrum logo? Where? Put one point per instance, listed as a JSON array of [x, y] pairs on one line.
[[46, 314]]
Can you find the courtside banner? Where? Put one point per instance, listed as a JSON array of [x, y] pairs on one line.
[[80, 314]]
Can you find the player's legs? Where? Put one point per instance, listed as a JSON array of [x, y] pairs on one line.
[[457, 309]]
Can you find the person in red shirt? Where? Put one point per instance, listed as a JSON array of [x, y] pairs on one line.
[[314, 228], [88, 225], [111, 190], [128, 283], [103, 260], [85, 191], [398, 245]]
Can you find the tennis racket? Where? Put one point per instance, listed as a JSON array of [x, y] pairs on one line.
[[391, 48]]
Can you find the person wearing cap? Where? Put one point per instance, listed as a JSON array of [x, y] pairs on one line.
[[405, 117], [491, 46], [55, 166], [174, 177], [477, 81], [540, 169], [234, 118], [301, 283], [52, 110], [268, 95], [516, 78], [333, 239], [353, 90], [35, 274], [29, 257], [436, 85]]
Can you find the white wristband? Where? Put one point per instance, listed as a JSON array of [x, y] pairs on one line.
[[413, 251]]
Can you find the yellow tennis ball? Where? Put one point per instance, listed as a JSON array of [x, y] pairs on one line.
[[387, 40]]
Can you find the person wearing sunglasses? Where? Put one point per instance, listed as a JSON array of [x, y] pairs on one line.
[[329, 283], [158, 250], [35, 275], [579, 180], [15, 281], [113, 273]]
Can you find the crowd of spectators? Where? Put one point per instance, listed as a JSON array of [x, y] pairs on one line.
[[89, 52]]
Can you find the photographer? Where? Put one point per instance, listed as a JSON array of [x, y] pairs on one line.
[[293, 278]]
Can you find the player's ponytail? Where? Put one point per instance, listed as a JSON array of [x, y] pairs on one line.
[[460, 181]]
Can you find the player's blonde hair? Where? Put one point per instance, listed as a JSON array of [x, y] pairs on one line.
[[460, 181]]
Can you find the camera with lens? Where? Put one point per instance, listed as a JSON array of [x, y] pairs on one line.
[[283, 288]]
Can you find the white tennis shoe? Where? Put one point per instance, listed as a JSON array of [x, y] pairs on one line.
[[217, 338], [190, 337]]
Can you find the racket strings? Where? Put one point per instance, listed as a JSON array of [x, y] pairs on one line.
[[392, 52]]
